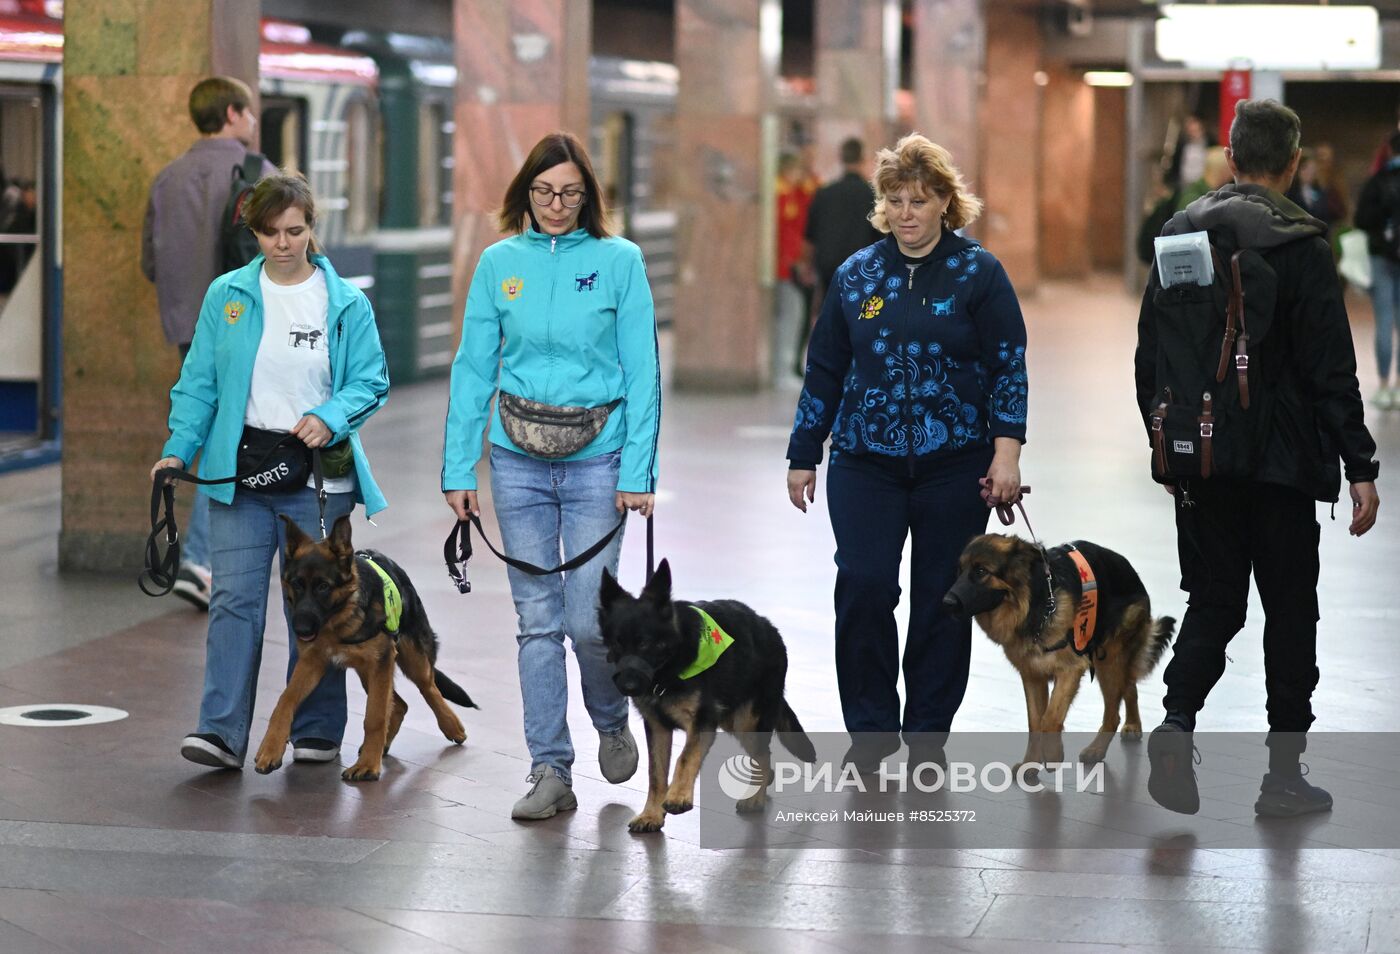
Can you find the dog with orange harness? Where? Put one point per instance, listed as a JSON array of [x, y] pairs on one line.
[[1058, 614]]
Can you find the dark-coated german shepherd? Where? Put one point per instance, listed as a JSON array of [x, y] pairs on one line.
[[338, 618], [1002, 582], [653, 641]]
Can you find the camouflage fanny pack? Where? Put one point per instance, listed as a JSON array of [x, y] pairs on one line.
[[550, 431]]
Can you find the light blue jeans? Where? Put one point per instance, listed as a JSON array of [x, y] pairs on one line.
[[244, 536], [549, 511], [1385, 297], [194, 543]]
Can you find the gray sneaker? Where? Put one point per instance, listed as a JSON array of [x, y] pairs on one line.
[[617, 755], [548, 795]]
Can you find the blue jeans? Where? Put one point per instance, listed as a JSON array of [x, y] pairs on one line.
[[1385, 297], [194, 544], [245, 535], [545, 509]]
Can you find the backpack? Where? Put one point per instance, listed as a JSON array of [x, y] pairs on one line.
[[237, 244], [1213, 402]]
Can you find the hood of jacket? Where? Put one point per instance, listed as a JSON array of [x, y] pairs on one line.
[[1247, 216]]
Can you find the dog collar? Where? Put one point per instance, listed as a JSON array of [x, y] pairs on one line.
[[393, 600], [713, 642]]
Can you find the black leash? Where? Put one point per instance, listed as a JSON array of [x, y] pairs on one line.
[[1007, 516], [457, 550], [162, 570]]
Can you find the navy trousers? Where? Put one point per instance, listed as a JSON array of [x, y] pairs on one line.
[[875, 504]]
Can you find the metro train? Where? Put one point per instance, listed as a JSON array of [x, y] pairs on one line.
[[369, 120]]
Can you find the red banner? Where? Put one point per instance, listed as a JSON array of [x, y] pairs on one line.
[[1234, 86]]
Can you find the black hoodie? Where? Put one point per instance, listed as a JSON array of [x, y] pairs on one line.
[[1319, 416]]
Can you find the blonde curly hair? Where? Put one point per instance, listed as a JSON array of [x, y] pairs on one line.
[[918, 161]]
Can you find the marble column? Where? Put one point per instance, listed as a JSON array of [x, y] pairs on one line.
[[522, 72], [1008, 174], [857, 67], [127, 72], [949, 59], [1070, 174], [727, 53]]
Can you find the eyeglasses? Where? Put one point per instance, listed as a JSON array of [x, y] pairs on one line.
[[544, 197]]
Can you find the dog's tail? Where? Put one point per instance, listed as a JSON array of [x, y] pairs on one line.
[[1150, 653], [452, 692], [793, 736]]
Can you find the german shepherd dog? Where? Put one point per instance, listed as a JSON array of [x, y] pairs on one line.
[[1002, 583], [653, 641], [338, 616]]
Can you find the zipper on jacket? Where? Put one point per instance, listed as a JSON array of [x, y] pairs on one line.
[[904, 357], [549, 315]]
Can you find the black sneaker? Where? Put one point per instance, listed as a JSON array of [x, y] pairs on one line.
[[1284, 796], [1172, 780], [194, 585], [206, 748], [314, 750], [869, 749]]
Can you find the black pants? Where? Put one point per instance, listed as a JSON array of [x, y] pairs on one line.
[[804, 327], [1236, 527], [875, 505]]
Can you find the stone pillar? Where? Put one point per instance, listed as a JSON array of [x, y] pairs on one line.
[[128, 69], [950, 47], [1071, 170], [857, 67], [522, 72], [727, 53], [1008, 175]]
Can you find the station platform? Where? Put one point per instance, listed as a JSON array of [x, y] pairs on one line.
[[111, 842]]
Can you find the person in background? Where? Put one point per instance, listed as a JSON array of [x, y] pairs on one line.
[[1215, 174], [180, 253], [793, 194], [917, 372], [1378, 215], [560, 313], [838, 223], [282, 344]]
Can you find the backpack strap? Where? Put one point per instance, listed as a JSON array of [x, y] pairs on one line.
[[252, 166], [1207, 423], [1242, 340]]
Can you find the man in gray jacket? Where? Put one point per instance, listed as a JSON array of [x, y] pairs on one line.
[[180, 253]]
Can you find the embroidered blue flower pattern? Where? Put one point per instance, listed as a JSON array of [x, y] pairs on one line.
[[1008, 400], [809, 411]]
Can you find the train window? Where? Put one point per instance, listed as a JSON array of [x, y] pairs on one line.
[[362, 167], [284, 132], [447, 136], [430, 168]]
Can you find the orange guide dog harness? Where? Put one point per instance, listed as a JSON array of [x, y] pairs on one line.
[[1087, 616]]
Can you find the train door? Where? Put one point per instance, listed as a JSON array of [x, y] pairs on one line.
[[28, 339]]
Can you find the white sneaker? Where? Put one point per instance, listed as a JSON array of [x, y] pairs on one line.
[[195, 584]]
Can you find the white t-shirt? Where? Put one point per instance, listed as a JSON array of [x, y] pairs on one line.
[[292, 372]]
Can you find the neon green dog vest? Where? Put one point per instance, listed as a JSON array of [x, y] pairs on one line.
[[713, 642], [393, 601]]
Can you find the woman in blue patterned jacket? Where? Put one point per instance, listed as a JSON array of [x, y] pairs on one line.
[[917, 372]]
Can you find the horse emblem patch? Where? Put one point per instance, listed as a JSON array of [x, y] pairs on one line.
[[512, 287], [872, 307], [233, 311]]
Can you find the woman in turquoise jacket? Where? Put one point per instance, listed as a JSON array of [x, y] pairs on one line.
[[559, 313], [282, 344]]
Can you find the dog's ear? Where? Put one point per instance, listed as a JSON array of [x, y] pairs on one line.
[[610, 592], [295, 538], [340, 536], [658, 588]]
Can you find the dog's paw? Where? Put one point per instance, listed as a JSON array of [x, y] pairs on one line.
[[647, 821], [754, 803], [453, 731], [1032, 770], [264, 766], [677, 806], [1092, 755], [1132, 733], [361, 772]]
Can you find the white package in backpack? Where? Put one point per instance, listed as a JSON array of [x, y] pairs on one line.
[[1184, 259]]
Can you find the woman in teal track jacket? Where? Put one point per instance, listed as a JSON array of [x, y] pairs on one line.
[[282, 344], [560, 312]]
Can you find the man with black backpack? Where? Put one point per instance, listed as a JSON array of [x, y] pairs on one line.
[[1378, 215], [185, 246], [1246, 379]]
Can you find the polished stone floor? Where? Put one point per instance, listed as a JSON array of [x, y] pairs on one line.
[[109, 842]]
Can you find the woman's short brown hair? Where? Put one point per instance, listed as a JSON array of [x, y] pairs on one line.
[[211, 98], [552, 150], [275, 194], [918, 161]]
